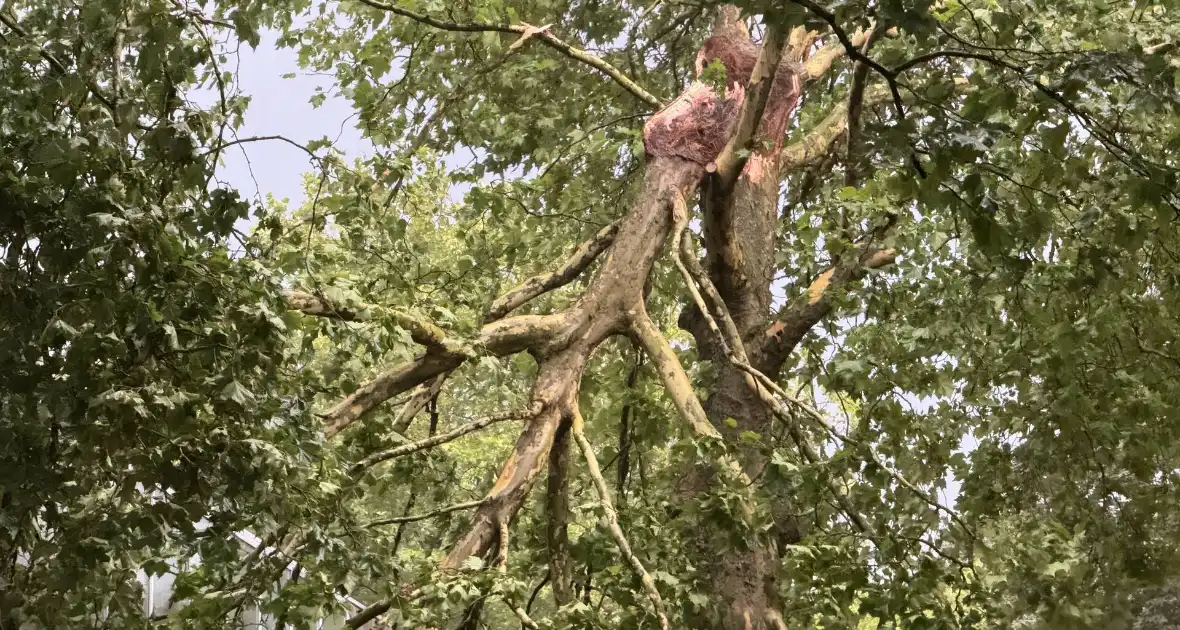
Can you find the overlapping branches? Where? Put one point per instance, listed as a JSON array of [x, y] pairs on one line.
[[542, 34]]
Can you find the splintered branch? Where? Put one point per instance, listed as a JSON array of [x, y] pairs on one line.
[[422, 395], [413, 518], [526, 30], [612, 520], [421, 329], [442, 438], [538, 285], [733, 157]]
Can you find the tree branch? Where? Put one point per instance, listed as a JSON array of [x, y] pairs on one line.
[[507, 336], [730, 161], [583, 256], [676, 381], [612, 520], [794, 321], [557, 517], [545, 36], [427, 515], [811, 148], [421, 329], [519, 414]]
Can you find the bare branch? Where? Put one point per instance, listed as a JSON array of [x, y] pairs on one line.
[[675, 380], [582, 257], [612, 520], [442, 438], [526, 30], [856, 94], [427, 515]]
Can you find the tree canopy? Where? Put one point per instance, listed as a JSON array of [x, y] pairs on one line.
[[640, 314]]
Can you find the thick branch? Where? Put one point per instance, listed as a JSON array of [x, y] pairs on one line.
[[733, 157], [503, 337], [421, 329], [545, 36], [612, 520], [820, 62], [557, 515], [443, 438], [818, 142], [582, 257], [796, 320], [385, 386], [676, 381]]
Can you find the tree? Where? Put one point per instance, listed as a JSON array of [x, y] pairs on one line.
[[947, 226]]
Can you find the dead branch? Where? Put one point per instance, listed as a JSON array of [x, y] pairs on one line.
[[526, 30], [612, 520], [583, 256]]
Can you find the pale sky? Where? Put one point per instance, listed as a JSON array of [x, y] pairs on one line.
[[282, 107]]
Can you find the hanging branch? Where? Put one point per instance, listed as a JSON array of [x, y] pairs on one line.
[[612, 519]]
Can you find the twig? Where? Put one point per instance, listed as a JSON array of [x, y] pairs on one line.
[[413, 518]]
